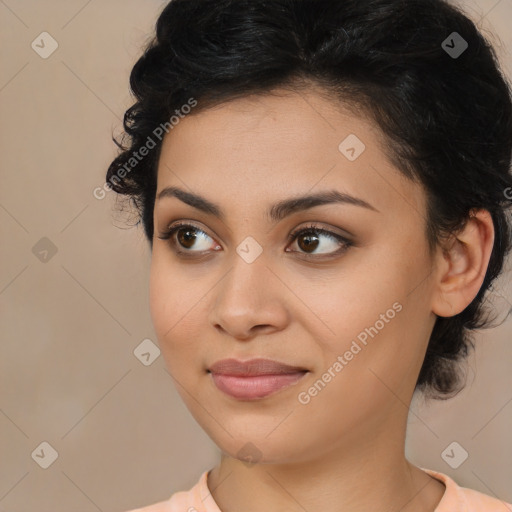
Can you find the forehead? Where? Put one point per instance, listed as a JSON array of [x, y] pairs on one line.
[[286, 124], [279, 145]]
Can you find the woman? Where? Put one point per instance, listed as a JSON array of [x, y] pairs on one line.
[[323, 185]]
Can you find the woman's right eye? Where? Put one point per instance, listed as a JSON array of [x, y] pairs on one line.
[[186, 237]]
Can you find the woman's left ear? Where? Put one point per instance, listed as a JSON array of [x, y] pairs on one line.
[[462, 264]]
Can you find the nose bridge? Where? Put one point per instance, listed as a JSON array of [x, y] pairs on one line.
[[245, 298], [248, 261], [246, 280]]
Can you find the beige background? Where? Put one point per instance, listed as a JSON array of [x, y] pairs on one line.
[[70, 325]]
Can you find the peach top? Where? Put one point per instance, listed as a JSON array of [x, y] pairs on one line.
[[455, 499]]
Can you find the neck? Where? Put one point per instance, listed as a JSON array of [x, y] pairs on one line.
[[364, 472]]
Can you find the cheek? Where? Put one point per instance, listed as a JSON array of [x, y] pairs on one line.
[[376, 324], [166, 308], [360, 380], [171, 297], [176, 305], [159, 296], [357, 300]]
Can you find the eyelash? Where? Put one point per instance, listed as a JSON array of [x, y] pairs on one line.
[[311, 228]]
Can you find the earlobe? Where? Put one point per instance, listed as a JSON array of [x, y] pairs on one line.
[[465, 260]]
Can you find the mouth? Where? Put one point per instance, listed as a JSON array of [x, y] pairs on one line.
[[253, 367], [254, 379]]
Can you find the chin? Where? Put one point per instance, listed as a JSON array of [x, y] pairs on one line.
[[257, 448]]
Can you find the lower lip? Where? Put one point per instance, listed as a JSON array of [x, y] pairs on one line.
[[258, 386]]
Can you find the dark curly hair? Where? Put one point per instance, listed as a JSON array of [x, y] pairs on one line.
[[444, 108]]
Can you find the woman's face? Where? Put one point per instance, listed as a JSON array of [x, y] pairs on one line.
[[356, 316]]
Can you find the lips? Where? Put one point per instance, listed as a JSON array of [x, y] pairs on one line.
[[253, 367], [254, 379]]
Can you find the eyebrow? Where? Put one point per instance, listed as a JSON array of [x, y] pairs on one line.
[[276, 212]]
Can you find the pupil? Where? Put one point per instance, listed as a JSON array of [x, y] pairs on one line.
[[188, 238], [309, 244]]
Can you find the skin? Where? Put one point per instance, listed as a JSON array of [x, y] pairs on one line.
[[344, 450]]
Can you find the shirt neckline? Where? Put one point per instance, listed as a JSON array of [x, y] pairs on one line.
[[451, 500]]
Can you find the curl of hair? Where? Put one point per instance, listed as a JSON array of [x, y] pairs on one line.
[[447, 122]]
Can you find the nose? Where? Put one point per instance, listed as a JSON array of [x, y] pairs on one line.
[[248, 301]]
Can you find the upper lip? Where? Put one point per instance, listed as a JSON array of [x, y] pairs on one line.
[[257, 366]]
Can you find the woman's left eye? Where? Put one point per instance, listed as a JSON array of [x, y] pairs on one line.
[[310, 238]]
